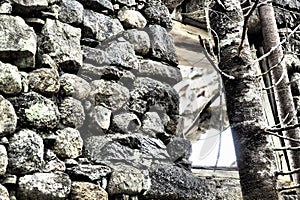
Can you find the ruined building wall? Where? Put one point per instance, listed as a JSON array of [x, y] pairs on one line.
[[87, 108]]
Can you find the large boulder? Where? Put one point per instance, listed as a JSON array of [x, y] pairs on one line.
[[62, 42], [25, 152], [46, 186], [18, 42], [72, 112], [8, 117]]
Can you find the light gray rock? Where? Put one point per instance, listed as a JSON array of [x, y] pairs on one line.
[[160, 72], [179, 149], [152, 124], [46, 186], [125, 123], [52, 163], [35, 110], [132, 19], [86, 190], [10, 79], [128, 3], [46, 61], [72, 85], [110, 94], [100, 117], [5, 7], [4, 195], [62, 42], [3, 160], [68, 144], [126, 180], [18, 42], [25, 152], [99, 26], [72, 112], [98, 5], [162, 46], [157, 13], [8, 117], [140, 40], [71, 12], [121, 53], [91, 172], [44, 80], [94, 56]]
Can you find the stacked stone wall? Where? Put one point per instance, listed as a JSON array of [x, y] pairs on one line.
[[87, 105]]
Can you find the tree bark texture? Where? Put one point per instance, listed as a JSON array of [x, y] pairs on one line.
[[282, 91], [255, 158]]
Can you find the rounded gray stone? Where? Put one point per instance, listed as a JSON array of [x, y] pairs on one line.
[[25, 152], [72, 112], [10, 79], [8, 117]]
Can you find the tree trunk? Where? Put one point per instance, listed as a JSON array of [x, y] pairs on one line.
[[282, 91], [255, 158]]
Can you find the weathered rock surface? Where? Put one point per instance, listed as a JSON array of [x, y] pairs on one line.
[[35, 110], [44, 80], [86, 190], [5, 7], [4, 195], [8, 117], [89, 172], [128, 3], [52, 163], [108, 93], [72, 112], [3, 161], [121, 53], [18, 42], [162, 46], [98, 5], [100, 118], [136, 150], [125, 123], [94, 56], [46, 186], [152, 124], [62, 42], [179, 149], [71, 12], [126, 180], [10, 79], [132, 19], [157, 13], [99, 26], [171, 182], [152, 95], [160, 72], [140, 40], [72, 85], [25, 152], [68, 143]]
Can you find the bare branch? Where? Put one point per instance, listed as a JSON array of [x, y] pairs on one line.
[[285, 128], [282, 137], [288, 187], [286, 148]]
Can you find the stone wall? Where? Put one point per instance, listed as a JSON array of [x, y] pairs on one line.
[[87, 105]]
